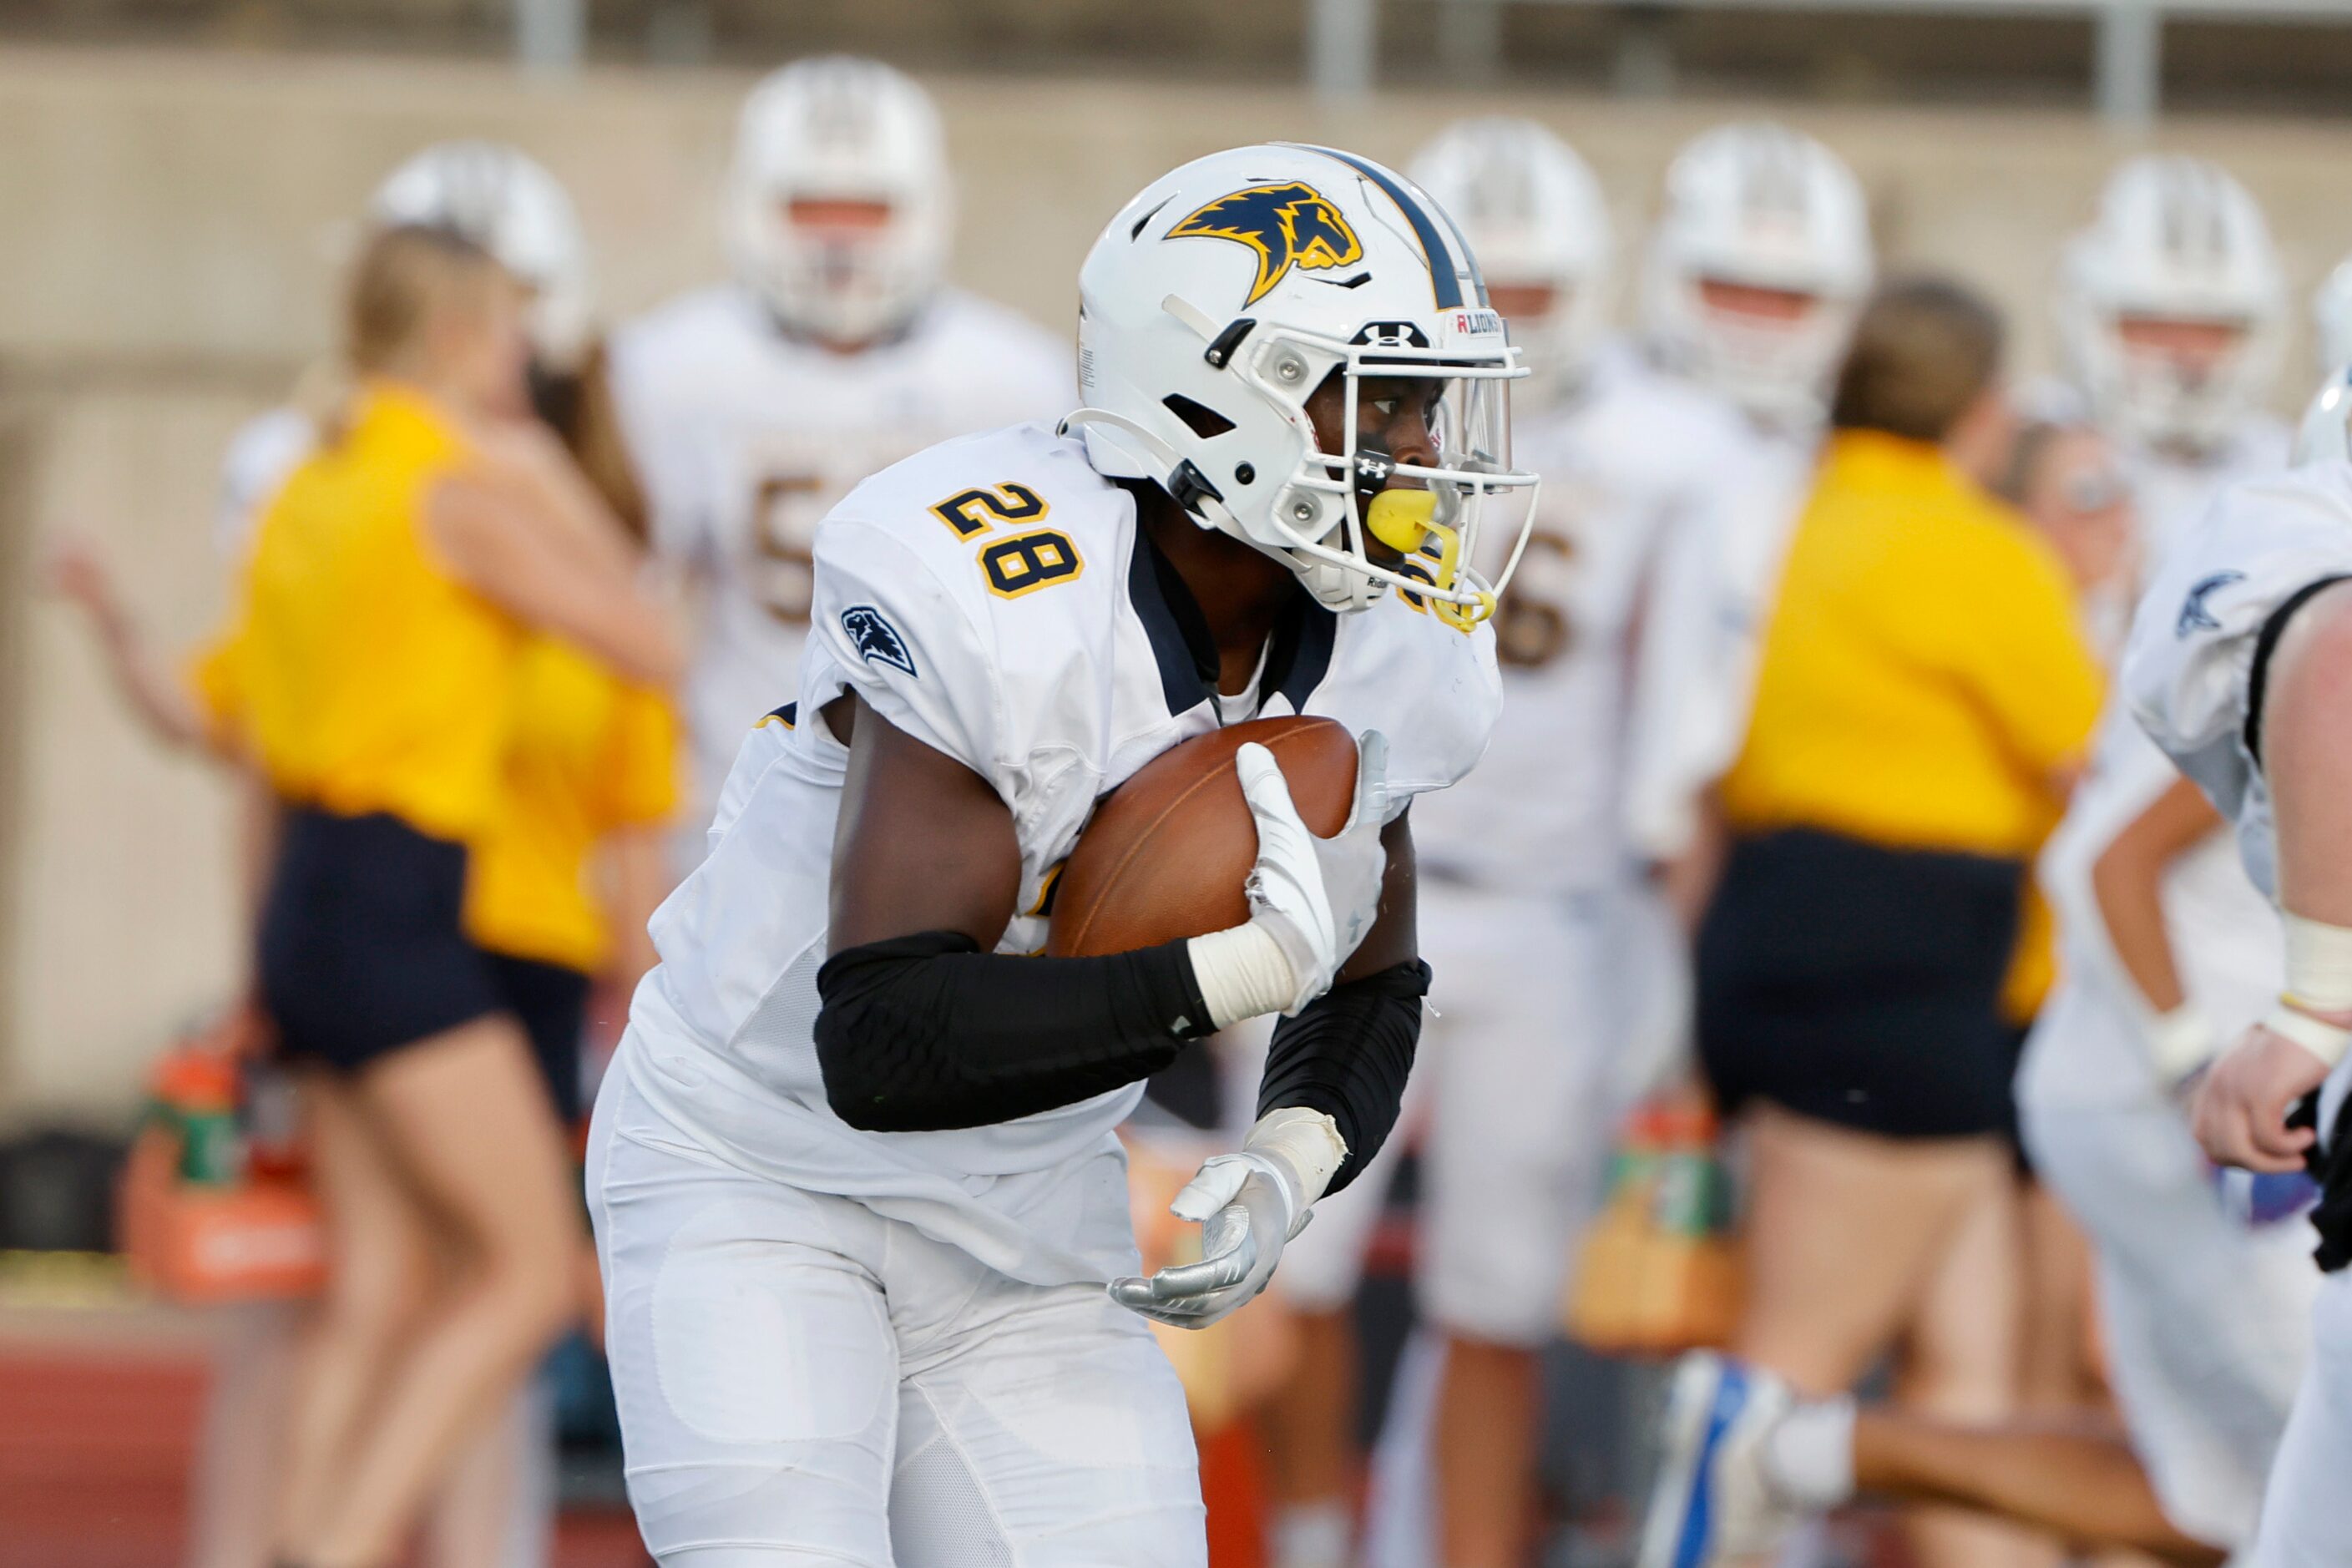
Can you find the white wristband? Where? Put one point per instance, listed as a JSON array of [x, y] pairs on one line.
[[1242, 973], [1308, 1142], [2319, 964], [2321, 1038], [2179, 1042]]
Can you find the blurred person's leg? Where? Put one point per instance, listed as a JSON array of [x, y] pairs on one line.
[[379, 1273], [2074, 1480], [232, 1494], [477, 1148], [1844, 1232], [1517, 1149], [1960, 1366], [497, 1508], [2200, 1312], [2056, 1374]]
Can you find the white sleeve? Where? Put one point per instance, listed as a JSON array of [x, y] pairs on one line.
[[902, 642], [1716, 575]]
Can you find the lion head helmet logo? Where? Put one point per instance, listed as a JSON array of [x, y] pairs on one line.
[[1286, 226]]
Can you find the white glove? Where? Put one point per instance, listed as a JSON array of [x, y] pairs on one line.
[[1312, 899], [1248, 1205]]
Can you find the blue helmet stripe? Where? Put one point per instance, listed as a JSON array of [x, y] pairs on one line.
[[1442, 278]]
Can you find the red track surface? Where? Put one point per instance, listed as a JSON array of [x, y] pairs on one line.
[[95, 1442]]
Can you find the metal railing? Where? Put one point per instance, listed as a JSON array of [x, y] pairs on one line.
[[2127, 62]]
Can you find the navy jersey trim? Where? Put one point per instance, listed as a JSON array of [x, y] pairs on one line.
[[1181, 644], [1302, 653], [1446, 286], [1186, 654], [2258, 677]]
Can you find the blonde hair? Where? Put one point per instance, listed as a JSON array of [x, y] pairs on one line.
[[405, 276]]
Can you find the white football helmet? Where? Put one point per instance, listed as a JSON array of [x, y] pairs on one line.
[[503, 201], [2331, 312], [840, 129], [1536, 217], [1759, 207], [2326, 434], [2177, 241], [1226, 294]]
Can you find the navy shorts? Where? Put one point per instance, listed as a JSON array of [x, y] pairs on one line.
[[1861, 985], [362, 948], [552, 1002]]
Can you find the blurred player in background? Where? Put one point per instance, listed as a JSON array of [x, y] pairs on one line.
[[1558, 986], [853, 1173], [2238, 666], [2172, 316], [750, 407], [1758, 264]]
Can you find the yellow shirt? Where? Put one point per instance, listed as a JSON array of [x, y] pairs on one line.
[[360, 674], [1923, 675], [588, 754]]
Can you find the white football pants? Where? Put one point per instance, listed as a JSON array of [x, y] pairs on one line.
[[802, 1380], [2204, 1316]]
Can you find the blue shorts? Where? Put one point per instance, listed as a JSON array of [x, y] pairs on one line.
[[362, 948]]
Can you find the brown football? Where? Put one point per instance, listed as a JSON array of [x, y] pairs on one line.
[[1166, 853]]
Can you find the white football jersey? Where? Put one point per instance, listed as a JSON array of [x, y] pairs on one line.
[[992, 597], [1629, 459], [2188, 668], [1717, 574], [744, 437], [2090, 1047]]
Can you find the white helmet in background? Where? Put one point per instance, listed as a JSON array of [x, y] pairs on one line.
[[1757, 267], [2326, 434], [2331, 313], [840, 209], [1224, 295], [2180, 252], [503, 201], [1535, 215]]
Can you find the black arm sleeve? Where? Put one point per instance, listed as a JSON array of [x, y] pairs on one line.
[[925, 1031], [1348, 1053]]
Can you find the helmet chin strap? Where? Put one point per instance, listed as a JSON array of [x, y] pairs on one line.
[[1332, 586]]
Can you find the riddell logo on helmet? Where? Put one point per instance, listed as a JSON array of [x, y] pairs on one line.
[[1477, 323], [1288, 225]]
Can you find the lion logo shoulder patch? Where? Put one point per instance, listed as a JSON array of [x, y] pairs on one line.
[[876, 640], [2194, 617], [1286, 226]]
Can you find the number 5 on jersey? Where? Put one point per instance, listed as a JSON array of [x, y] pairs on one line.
[[1021, 563]]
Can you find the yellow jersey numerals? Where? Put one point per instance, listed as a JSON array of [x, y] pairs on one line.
[[1017, 563]]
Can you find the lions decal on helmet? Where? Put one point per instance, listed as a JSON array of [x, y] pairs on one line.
[[1288, 225]]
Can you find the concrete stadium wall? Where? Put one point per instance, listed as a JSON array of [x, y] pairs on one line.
[[169, 230]]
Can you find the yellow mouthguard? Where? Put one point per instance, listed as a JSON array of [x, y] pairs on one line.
[[1400, 519]]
